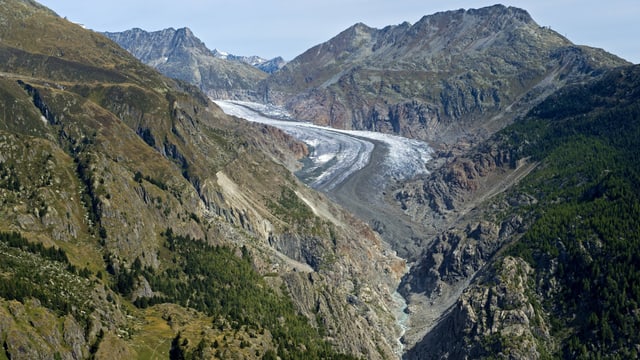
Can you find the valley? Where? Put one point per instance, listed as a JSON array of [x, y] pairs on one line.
[[461, 187], [355, 169]]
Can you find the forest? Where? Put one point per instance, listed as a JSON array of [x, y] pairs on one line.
[[586, 232]]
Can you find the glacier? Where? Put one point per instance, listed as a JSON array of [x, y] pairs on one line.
[[337, 154]]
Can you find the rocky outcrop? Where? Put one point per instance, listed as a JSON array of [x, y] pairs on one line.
[[456, 256], [30, 331], [459, 182], [497, 316]]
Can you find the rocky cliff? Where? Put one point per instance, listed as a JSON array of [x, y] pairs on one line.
[[121, 189], [451, 75], [497, 317]]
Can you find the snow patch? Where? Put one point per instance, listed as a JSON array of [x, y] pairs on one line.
[[324, 158]]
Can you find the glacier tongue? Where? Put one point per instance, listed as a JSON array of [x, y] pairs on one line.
[[337, 154]]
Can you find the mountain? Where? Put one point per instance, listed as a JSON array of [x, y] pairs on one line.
[[268, 66], [137, 219], [180, 54], [454, 74], [271, 66], [538, 259]]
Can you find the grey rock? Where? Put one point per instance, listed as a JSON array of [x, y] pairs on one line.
[[180, 54]]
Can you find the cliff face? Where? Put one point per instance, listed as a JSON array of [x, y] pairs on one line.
[[112, 177], [180, 54], [451, 75], [495, 318]]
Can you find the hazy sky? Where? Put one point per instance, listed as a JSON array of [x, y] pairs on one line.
[[289, 27]]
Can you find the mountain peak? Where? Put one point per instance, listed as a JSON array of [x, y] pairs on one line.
[[492, 10], [361, 27], [449, 67], [500, 9], [474, 22], [185, 31], [220, 54]]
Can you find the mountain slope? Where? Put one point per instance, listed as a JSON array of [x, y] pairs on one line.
[[180, 54], [112, 176], [452, 74], [553, 257]]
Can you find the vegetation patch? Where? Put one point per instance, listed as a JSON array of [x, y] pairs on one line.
[[221, 282], [30, 270]]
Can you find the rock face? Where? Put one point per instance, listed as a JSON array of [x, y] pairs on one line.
[[180, 54], [495, 317], [463, 202], [451, 75]]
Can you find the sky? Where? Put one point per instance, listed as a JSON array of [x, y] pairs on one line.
[[287, 28]]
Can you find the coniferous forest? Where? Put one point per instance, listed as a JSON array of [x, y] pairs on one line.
[[586, 231]]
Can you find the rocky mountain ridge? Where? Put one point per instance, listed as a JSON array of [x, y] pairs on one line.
[[266, 65], [181, 55], [451, 75]]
